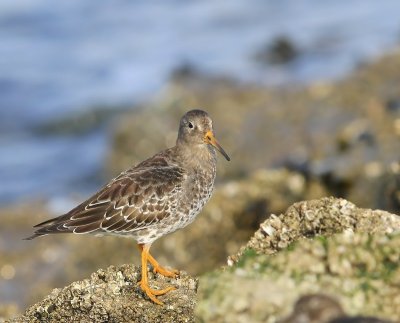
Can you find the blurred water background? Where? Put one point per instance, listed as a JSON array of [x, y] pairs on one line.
[[70, 59]]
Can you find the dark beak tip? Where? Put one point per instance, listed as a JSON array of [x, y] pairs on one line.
[[223, 153]]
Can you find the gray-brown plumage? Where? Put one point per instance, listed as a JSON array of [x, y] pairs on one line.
[[158, 196]]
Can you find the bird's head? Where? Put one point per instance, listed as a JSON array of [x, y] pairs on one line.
[[196, 128]]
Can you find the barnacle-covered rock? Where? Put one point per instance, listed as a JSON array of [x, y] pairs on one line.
[[325, 216], [113, 295]]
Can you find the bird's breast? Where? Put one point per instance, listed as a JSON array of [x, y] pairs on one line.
[[198, 191]]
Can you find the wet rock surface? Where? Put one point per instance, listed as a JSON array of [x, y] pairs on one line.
[[112, 295]]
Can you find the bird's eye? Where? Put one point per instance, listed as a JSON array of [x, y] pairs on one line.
[[190, 125]]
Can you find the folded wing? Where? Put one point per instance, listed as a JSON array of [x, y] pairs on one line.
[[135, 200]]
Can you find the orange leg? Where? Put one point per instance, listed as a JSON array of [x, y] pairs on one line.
[[144, 283], [157, 268]]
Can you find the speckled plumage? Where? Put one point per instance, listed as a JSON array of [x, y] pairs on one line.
[[156, 197]]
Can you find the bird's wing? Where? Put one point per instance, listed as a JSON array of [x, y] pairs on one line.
[[134, 200]]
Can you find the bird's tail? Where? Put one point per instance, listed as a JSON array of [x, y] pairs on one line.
[[46, 227], [33, 236]]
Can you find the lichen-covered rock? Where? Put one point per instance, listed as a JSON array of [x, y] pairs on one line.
[[112, 295], [361, 270]]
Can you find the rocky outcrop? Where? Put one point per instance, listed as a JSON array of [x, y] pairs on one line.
[[324, 217], [361, 270], [320, 246], [346, 260], [112, 295]]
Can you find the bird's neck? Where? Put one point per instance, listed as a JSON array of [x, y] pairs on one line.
[[199, 156]]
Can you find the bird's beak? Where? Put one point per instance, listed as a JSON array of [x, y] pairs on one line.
[[210, 139]]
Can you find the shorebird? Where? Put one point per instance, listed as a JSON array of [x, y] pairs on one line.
[[158, 196]]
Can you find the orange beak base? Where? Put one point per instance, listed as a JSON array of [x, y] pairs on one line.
[[210, 139]]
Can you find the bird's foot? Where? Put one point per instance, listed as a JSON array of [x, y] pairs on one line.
[[152, 293], [165, 272]]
